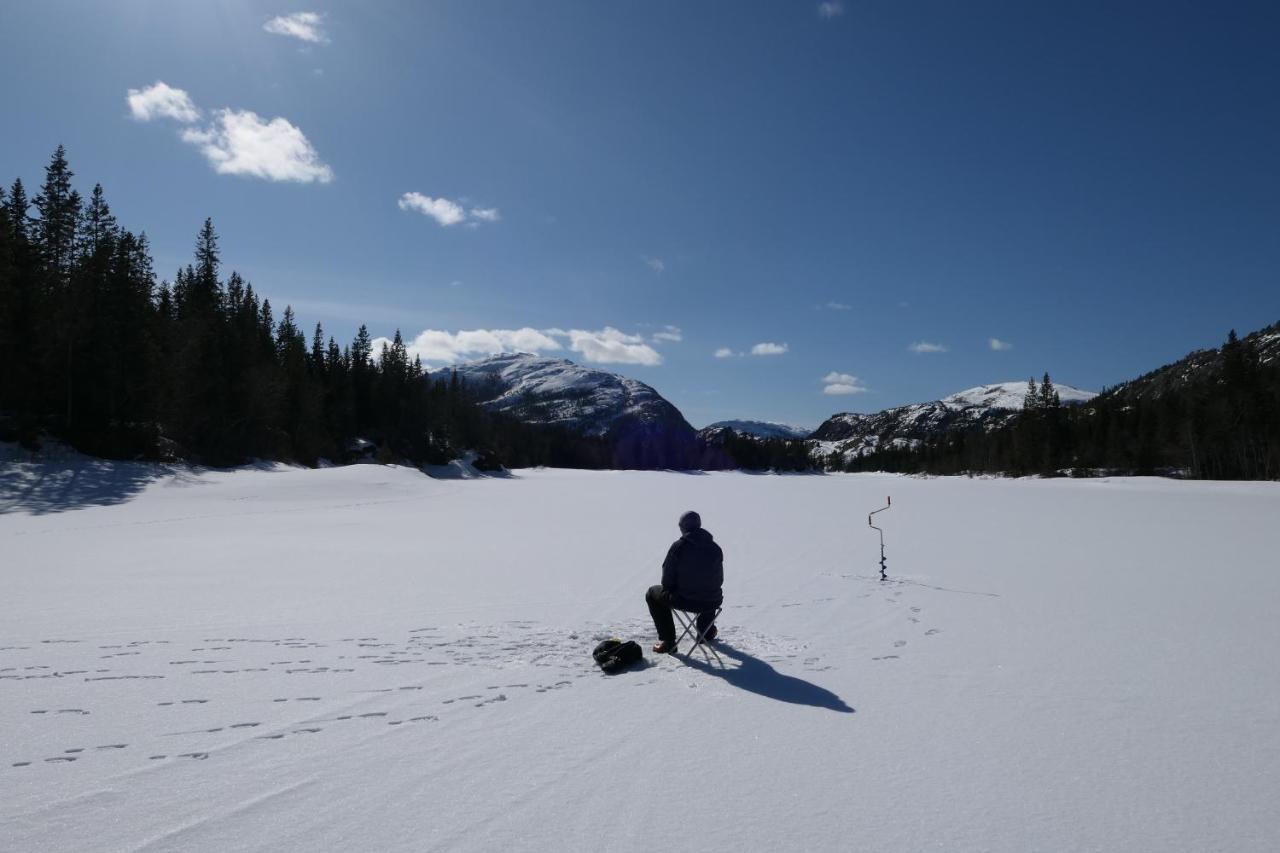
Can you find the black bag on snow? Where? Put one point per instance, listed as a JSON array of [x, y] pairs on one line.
[[614, 655]]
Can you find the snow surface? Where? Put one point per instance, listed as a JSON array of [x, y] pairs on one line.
[[365, 658]]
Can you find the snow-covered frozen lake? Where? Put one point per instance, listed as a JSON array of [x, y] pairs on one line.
[[365, 658]]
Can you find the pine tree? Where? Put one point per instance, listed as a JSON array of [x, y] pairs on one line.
[[1031, 400], [1047, 393], [59, 206]]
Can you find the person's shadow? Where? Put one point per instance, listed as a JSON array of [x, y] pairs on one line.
[[756, 676]]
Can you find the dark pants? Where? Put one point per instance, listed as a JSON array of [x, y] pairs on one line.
[[660, 603]]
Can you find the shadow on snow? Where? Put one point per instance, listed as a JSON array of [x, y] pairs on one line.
[[756, 676], [57, 487]]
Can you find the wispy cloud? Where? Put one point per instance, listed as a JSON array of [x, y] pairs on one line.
[[160, 100], [240, 142], [924, 347], [725, 352], [447, 212], [305, 26], [603, 346], [655, 264], [830, 9], [836, 384], [442, 210], [838, 306], [769, 348], [670, 334], [999, 345]]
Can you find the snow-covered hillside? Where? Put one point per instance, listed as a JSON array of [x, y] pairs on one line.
[[758, 429], [1201, 368], [364, 658], [851, 434], [558, 392], [1009, 395]]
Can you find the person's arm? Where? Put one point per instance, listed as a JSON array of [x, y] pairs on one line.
[[669, 567]]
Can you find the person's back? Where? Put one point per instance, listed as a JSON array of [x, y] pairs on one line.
[[694, 568]]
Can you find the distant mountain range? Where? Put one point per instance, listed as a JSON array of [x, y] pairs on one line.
[[646, 430], [903, 427], [644, 427], [758, 429]]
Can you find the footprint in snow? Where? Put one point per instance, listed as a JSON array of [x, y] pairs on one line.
[[899, 644]]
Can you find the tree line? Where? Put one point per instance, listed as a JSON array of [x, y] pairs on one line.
[[95, 352]]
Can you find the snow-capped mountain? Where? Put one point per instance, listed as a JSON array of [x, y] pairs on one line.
[[1009, 395], [757, 429], [851, 434], [558, 392]]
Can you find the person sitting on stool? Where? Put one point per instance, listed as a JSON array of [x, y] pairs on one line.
[[692, 577]]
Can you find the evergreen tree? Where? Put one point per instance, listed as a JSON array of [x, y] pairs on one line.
[[1031, 400]]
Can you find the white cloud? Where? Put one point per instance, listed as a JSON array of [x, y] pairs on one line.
[[927, 347], [838, 306], [437, 345], [669, 333], [240, 142], [606, 346], [306, 26], [160, 100], [999, 345], [442, 210], [609, 346], [842, 383], [830, 9], [724, 352], [236, 142], [655, 264], [769, 348], [447, 212]]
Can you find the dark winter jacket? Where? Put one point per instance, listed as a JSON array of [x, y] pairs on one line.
[[694, 568]]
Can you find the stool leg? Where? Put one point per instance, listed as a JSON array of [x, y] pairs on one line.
[[686, 623]]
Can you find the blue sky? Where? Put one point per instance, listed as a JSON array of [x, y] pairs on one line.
[[1096, 185]]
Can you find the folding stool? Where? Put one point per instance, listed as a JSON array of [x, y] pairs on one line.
[[689, 620]]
